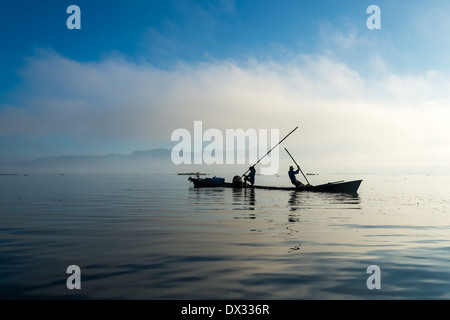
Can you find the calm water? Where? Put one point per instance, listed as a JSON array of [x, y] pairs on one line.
[[155, 237]]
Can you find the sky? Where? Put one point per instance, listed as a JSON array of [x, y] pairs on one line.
[[365, 100]]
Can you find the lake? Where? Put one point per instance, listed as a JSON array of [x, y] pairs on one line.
[[156, 237]]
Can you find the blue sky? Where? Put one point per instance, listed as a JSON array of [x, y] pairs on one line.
[[137, 70], [160, 32]]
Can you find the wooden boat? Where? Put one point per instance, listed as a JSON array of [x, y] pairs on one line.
[[350, 187]]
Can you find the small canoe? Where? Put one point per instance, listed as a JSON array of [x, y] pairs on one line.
[[350, 187]]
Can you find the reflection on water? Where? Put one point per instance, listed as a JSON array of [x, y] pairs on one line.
[[244, 199], [153, 237]]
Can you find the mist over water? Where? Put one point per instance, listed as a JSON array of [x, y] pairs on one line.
[[156, 237]]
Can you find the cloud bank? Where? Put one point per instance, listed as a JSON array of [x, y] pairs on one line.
[[375, 122]]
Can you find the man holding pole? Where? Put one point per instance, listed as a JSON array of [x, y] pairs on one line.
[[292, 173], [293, 178], [249, 169], [251, 176]]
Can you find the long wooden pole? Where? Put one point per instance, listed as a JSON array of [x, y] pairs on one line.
[[297, 165], [271, 150]]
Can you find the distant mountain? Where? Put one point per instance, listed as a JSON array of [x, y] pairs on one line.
[[152, 153], [154, 160], [138, 162]]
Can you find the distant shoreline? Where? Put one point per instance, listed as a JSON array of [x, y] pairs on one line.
[[192, 174]]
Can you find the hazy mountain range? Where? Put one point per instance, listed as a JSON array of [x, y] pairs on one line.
[[142, 161], [138, 162]]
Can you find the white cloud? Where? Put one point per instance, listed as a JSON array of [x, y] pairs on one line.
[[347, 120]]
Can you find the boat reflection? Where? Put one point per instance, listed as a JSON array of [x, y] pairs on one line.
[[250, 199], [294, 205], [305, 200], [199, 196], [244, 199]]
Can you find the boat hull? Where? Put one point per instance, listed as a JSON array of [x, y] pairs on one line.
[[332, 187]]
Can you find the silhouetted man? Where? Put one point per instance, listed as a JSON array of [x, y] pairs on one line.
[[293, 178], [251, 176]]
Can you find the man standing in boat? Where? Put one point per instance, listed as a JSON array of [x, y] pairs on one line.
[[251, 176], [293, 178]]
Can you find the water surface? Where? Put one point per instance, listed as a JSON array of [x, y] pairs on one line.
[[156, 237]]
